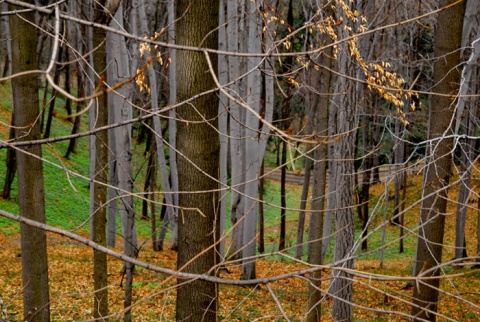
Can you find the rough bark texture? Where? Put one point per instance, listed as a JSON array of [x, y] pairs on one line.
[[467, 109], [235, 131], [222, 129], [100, 280], [315, 229], [198, 146], [100, 305], [30, 171], [287, 66], [344, 147], [120, 110], [446, 77]]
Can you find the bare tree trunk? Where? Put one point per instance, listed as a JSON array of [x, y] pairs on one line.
[[53, 98], [235, 131], [172, 123], [36, 303], [283, 200], [198, 146], [467, 111], [252, 152], [11, 166], [119, 106], [261, 213], [269, 34], [316, 224], [303, 203], [223, 132], [75, 35], [288, 65], [319, 117], [7, 68], [100, 178], [448, 36], [157, 128], [342, 285]]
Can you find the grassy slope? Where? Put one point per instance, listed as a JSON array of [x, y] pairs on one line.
[[66, 196]]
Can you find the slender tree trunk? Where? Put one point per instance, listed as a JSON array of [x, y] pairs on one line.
[[100, 192], [315, 228], [253, 151], [319, 117], [162, 162], [283, 200], [467, 110], [222, 129], [288, 65], [198, 146], [36, 303], [172, 123], [342, 285], [80, 84], [7, 67], [120, 109], [100, 305], [235, 131], [303, 203], [261, 212], [11, 166], [51, 107], [448, 36]]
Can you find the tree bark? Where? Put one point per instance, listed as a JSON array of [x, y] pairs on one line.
[[100, 278], [36, 302], [198, 146], [100, 192], [118, 70], [11, 163], [222, 131], [236, 133], [320, 106], [448, 36], [288, 65], [342, 285]]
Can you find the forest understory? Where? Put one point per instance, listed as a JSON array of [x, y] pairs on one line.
[[71, 268]]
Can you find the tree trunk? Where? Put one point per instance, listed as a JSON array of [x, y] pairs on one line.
[[448, 36], [467, 110], [36, 303], [100, 192], [172, 123], [236, 133], [222, 131], [342, 285], [80, 84], [253, 153], [198, 146], [316, 225], [53, 98], [319, 117], [157, 128], [261, 212], [288, 65], [11, 166], [303, 203], [100, 306], [283, 200], [120, 109]]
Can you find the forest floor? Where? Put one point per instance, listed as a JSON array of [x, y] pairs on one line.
[[70, 269]]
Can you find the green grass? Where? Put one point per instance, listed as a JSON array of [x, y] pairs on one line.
[[67, 196]]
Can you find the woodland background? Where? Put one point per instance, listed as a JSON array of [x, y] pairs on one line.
[[148, 146]]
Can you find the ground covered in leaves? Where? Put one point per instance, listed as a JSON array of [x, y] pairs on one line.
[[70, 269]]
